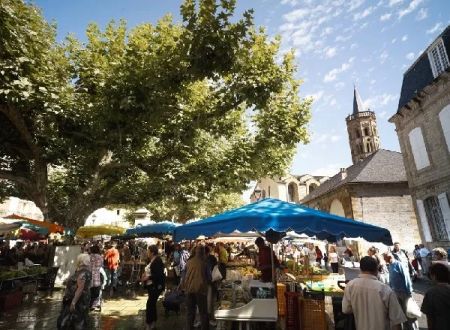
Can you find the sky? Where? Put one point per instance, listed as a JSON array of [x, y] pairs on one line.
[[338, 44]]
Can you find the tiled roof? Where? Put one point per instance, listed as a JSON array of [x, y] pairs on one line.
[[383, 166]]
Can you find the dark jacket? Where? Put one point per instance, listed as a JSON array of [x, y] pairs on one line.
[[157, 275]]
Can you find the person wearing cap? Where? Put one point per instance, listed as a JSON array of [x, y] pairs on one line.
[[264, 262]]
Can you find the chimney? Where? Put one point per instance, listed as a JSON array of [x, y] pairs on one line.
[[343, 172]]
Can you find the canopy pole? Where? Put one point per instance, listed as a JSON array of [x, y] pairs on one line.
[[274, 280]]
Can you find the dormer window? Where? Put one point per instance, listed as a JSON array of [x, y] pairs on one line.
[[438, 58]]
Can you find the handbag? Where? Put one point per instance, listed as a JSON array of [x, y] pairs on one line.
[[412, 309], [216, 275]]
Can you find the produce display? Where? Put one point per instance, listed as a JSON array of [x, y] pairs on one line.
[[299, 269], [11, 274]]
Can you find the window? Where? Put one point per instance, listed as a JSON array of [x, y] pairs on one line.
[[366, 131], [358, 135], [438, 58], [444, 117], [435, 218], [424, 221], [445, 209], [418, 148], [292, 192]]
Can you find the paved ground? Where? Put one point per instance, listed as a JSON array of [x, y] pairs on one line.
[[126, 310]]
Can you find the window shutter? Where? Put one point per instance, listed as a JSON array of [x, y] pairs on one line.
[[445, 208], [418, 148], [424, 221], [444, 117]]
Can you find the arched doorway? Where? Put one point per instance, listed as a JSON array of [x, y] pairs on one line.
[[337, 208], [293, 192]]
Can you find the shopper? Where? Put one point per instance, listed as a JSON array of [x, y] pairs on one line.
[[440, 256], [76, 300], [319, 256], [333, 259], [401, 256], [155, 282], [383, 273], [436, 303], [424, 259], [223, 259], [98, 277], [195, 285], [373, 304], [112, 258], [401, 284]]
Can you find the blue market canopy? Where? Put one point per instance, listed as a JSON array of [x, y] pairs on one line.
[[282, 216], [158, 228]]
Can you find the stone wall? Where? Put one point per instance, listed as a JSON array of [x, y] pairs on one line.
[[385, 205]]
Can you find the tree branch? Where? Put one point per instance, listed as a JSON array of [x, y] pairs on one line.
[[19, 123], [11, 176]]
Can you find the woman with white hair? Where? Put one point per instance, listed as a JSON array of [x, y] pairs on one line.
[[76, 300]]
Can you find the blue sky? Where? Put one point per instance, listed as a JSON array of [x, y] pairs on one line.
[[370, 43]]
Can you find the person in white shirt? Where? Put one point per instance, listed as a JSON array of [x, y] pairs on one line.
[[333, 259], [374, 305], [424, 259]]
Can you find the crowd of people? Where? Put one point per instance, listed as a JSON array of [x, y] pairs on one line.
[[381, 297], [21, 252], [377, 299]]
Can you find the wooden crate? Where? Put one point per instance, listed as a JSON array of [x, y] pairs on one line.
[[312, 314]]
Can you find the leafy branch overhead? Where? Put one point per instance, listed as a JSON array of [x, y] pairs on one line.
[[172, 111]]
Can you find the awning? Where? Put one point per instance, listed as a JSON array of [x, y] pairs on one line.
[[8, 227], [157, 228], [91, 231], [51, 227], [282, 217]]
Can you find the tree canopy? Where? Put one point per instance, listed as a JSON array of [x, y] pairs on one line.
[[171, 113]]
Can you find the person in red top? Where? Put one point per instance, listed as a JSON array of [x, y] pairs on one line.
[[264, 263], [112, 257]]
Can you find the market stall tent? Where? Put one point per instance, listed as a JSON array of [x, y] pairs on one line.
[[157, 228], [91, 231], [8, 227], [283, 216], [51, 227]]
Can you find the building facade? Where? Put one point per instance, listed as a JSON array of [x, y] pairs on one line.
[[422, 123], [288, 188], [374, 189]]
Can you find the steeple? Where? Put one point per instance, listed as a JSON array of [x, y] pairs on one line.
[[362, 130], [357, 102]]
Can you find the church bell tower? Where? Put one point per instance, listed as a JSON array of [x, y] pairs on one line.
[[362, 130]]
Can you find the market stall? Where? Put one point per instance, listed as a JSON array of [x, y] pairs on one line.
[[153, 229], [91, 231], [302, 292]]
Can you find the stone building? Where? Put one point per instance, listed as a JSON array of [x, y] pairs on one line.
[[362, 130], [288, 188], [422, 123], [374, 189]]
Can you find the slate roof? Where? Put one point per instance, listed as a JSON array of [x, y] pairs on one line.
[[383, 166], [420, 74], [357, 102]]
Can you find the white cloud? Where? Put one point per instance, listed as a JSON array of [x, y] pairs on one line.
[[373, 81], [329, 169], [363, 14], [411, 7], [405, 37], [326, 31], [392, 3], [290, 2], [353, 46], [333, 102], [394, 40], [379, 100], [316, 96], [385, 17], [330, 52], [384, 56], [354, 4], [342, 38], [437, 27], [422, 14], [410, 56], [332, 75], [325, 138], [295, 15], [382, 114]]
